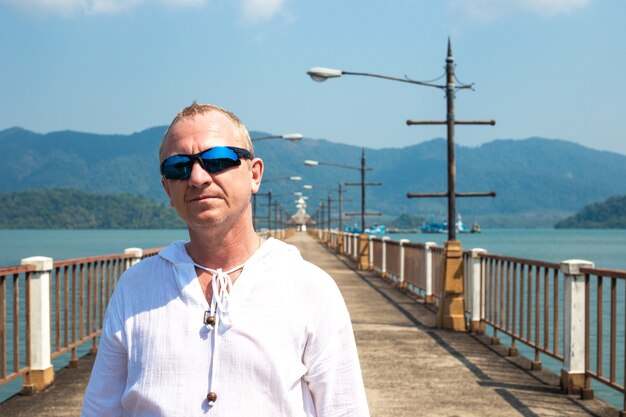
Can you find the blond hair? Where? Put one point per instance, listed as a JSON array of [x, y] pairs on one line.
[[195, 109]]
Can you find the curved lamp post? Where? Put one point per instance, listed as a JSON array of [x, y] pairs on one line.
[[451, 313], [362, 169], [321, 74], [269, 196], [291, 137], [293, 178], [340, 200]]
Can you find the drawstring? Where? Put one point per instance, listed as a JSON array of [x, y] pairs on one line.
[[219, 312]]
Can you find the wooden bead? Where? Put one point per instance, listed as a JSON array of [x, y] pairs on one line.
[[210, 320], [212, 397]]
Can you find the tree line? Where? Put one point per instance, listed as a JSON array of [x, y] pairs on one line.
[[610, 214], [72, 209]]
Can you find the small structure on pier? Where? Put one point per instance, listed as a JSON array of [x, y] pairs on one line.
[[301, 218]]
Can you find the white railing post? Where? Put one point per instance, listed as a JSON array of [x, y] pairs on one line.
[[383, 266], [41, 373], [428, 271], [477, 287], [371, 251], [137, 255], [573, 372], [401, 277]]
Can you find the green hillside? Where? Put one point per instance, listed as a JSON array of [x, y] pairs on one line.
[[610, 214], [538, 181], [70, 209]]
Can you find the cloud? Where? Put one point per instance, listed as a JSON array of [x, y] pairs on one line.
[[252, 11], [71, 7], [260, 10], [490, 10], [89, 7]]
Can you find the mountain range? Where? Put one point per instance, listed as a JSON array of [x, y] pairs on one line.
[[537, 180]]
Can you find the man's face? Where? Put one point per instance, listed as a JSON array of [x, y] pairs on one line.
[[205, 200]]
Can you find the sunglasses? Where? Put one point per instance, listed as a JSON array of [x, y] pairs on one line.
[[214, 160]]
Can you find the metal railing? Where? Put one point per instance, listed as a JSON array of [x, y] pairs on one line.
[[78, 291], [393, 254], [605, 318], [537, 304], [522, 300], [14, 310], [82, 289], [414, 268]]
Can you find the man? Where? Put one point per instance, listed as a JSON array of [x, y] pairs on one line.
[[226, 324]]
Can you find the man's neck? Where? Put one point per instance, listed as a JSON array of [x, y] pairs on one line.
[[222, 250]]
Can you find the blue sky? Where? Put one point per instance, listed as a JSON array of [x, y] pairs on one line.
[[549, 68]]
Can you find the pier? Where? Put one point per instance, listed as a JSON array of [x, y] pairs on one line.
[[410, 367]]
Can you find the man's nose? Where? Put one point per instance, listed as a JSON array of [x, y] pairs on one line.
[[199, 175]]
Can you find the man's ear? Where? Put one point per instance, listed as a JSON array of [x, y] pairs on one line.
[[256, 169], [166, 187]]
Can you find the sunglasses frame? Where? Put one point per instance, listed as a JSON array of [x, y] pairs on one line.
[[240, 152]]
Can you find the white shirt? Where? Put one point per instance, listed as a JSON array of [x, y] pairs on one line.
[[290, 350]]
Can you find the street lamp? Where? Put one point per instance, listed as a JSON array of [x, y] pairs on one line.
[[340, 192], [362, 169], [269, 194], [321, 74], [451, 314], [293, 178], [291, 137]]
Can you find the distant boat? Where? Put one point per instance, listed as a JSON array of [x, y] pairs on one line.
[[442, 227], [475, 228], [377, 229], [434, 227]]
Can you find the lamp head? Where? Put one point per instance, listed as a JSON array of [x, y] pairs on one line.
[[310, 163], [293, 137], [321, 74]]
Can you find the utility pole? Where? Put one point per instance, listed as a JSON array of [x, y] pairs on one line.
[[329, 217], [451, 310], [363, 184], [269, 211]]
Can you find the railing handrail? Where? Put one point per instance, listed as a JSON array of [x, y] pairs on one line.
[[532, 262], [16, 269], [605, 272]]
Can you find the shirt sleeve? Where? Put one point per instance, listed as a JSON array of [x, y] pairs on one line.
[[108, 377], [333, 370]]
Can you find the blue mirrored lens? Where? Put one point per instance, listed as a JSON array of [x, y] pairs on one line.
[[177, 167], [214, 160], [219, 158], [219, 152]]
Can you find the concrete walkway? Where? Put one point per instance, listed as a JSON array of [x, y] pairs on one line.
[[410, 368]]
